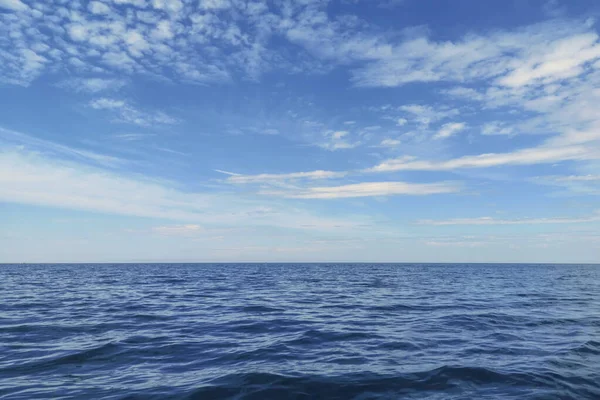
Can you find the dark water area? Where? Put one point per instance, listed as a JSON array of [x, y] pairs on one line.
[[299, 331]]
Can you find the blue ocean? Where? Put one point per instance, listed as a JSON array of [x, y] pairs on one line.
[[299, 331]]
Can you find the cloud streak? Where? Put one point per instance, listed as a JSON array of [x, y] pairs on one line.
[[370, 189], [531, 156], [271, 178], [524, 221], [129, 114], [31, 178]]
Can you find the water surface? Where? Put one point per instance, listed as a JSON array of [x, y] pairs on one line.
[[299, 331]]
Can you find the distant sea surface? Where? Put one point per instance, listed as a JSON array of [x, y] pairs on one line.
[[299, 331]]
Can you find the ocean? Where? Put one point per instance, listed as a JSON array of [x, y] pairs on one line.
[[299, 331]]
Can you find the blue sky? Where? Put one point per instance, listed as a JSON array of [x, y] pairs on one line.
[[307, 130]]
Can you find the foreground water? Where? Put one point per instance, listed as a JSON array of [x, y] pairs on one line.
[[327, 331]]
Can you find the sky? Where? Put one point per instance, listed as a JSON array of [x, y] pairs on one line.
[[299, 131]]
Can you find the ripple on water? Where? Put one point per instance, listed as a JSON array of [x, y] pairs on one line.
[[292, 331]]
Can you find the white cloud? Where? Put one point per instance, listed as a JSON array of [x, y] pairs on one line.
[[97, 7], [78, 32], [523, 221], [390, 143], [119, 60], [20, 140], [369, 189], [455, 243], [14, 5], [336, 140], [129, 114], [93, 85], [137, 3], [171, 6], [177, 230], [214, 4], [269, 178], [339, 134], [565, 58], [227, 172], [538, 53], [30, 178], [530, 156], [107, 104], [577, 178], [449, 129], [163, 31], [496, 128], [401, 121], [425, 114], [573, 184]]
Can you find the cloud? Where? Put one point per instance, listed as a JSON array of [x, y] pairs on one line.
[[523, 221], [269, 178], [93, 85], [530, 156], [97, 7], [13, 5], [573, 184], [129, 114], [425, 114], [455, 243], [107, 104], [31, 178], [542, 53], [450, 129], [565, 58], [336, 140], [369, 189], [177, 230], [496, 128], [390, 143], [227, 172], [130, 137], [577, 178], [20, 140], [214, 4], [171, 6], [137, 3]]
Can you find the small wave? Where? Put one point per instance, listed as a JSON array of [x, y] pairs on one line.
[[274, 386], [100, 353], [590, 347], [260, 309], [318, 337]]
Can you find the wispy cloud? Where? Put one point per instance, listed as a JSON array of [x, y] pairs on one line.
[[530, 156], [450, 129], [227, 172], [542, 53], [270, 178], [425, 114], [32, 144], [575, 178], [130, 137], [572, 184], [523, 221], [497, 128], [93, 85], [31, 178], [390, 143], [14, 5], [369, 189], [129, 114], [337, 140], [177, 230]]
